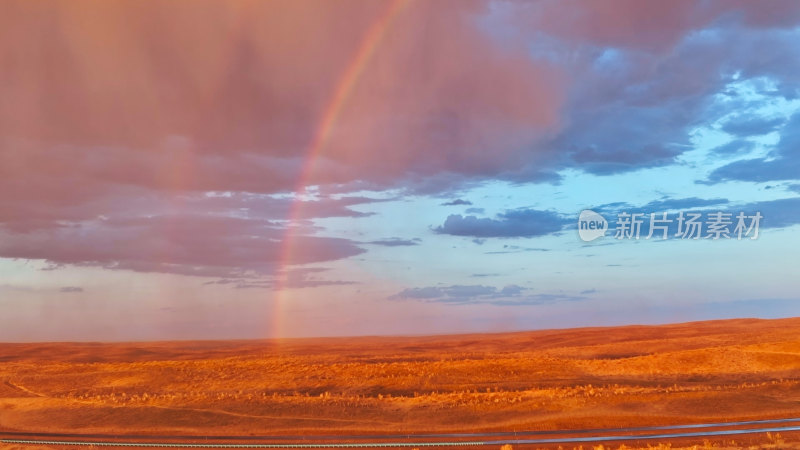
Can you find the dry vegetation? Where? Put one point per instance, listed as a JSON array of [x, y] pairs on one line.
[[585, 378]]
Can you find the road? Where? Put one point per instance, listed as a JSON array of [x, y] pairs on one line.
[[413, 440]]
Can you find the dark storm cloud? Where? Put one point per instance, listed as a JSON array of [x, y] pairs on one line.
[[457, 202], [512, 223], [782, 164], [396, 242], [747, 125], [633, 108], [775, 214]]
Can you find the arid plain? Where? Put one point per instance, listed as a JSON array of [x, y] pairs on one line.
[[697, 372]]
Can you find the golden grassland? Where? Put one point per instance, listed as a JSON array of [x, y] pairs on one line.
[[557, 379]]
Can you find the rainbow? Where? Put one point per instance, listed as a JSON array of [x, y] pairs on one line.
[[342, 92]]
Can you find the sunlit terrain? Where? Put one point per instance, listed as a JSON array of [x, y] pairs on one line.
[[316, 223], [562, 379]]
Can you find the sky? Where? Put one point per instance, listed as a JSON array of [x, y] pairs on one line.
[[247, 169]]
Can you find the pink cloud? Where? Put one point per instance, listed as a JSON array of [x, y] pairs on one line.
[[256, 77], [645, 26], [199, 245], [116, 117]]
